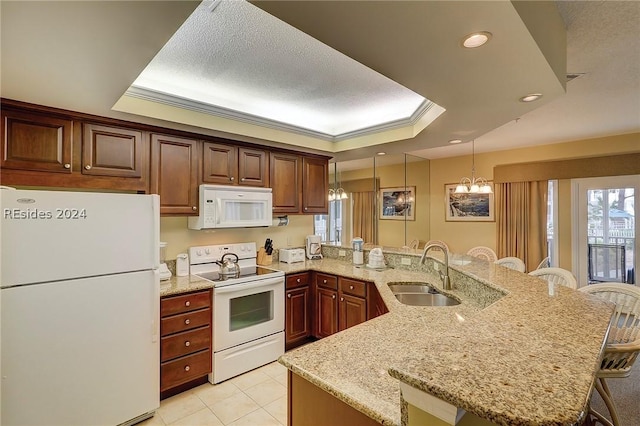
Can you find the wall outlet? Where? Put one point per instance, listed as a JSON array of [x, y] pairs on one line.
[[342, 253], [405, 261]]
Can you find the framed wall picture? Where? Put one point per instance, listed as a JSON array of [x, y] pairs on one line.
[[468, 207], [398, 203]]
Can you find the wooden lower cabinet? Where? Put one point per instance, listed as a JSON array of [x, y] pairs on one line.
[[297, 310], [342, 302], [185, 343], [308, 405]]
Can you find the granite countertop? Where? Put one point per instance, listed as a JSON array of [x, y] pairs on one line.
[[516, 357], [509, 352]]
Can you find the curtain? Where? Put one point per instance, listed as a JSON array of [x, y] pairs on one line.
[[363, 215], [521, 221]]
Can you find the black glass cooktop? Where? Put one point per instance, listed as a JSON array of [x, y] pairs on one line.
[[248, 273]]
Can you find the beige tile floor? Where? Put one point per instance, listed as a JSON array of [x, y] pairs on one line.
[[256, 398]]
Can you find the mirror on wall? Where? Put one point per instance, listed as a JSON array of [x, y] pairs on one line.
[[383, 200]]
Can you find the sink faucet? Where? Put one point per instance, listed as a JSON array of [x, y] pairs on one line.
[[446, 285]]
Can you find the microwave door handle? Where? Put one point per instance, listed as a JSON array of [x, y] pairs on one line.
[[246, 286], [218, 211]]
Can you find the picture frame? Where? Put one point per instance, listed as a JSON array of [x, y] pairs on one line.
[[468, 207], [398, 203]]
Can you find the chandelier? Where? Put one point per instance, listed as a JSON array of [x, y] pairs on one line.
[[337, 194], [474, 185]]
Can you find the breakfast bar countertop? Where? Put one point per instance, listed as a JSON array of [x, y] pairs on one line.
[[521, 358]]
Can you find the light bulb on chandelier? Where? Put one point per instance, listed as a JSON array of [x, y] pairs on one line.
[[473, 185], [337, 194]]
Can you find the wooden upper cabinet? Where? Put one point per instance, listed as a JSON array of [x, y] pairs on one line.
[[112, 151], [36, 142], [229, 165], [174, 174], [285, 176], [315, 185], [252, 167]]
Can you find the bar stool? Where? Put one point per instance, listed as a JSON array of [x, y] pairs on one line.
[[483, 252], [511, 263], [623, 342], [556, 276]]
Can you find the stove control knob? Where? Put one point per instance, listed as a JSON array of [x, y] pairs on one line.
[[198, 252], [207, 251]]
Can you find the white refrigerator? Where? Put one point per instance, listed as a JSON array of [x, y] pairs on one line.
[[80, 308]]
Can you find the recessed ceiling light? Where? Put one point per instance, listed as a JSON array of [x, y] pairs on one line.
[[530, 98], [476, 39], [381, 153], [454, 141]]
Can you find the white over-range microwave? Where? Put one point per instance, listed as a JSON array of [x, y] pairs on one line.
[[232, 207]]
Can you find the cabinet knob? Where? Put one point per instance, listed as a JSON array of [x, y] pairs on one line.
[[187, 321], [298, 280], [194, 208], [187, 368], [187, 343], [342, 299], [231, 178], [187, 303], [67, 166], [242, 179], [324, 281], [333, 296], [350, 287], [305, 209], [87, 167], [289, 295]]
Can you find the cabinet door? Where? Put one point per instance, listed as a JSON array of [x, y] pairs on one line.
[[174, 174], [315, 186], [252, 167], [285, 178], [36, 142], [297, 315], [111, 151], [326, 312], [375, 304], [353, 311], [220, 163]]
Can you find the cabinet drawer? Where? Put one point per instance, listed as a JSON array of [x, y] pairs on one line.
[[185, 343], [184, 322], [184, 369], [328, 281], [356, 288], [297, 280], [184, 303]]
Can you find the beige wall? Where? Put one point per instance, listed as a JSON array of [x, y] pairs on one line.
[[461, 236], [174, 231]]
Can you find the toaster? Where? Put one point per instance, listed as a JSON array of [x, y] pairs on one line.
[[291, 255]]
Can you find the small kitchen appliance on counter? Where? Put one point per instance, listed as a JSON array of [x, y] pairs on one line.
[[163, 270], [291, 255], [314, 247], [248, 308], [358, 255]]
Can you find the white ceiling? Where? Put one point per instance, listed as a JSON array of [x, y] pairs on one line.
[[83, 56], [232, 59]]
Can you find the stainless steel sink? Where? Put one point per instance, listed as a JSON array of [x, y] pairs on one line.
[[420, 294]]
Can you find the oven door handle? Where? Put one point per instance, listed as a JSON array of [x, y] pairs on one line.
[[247, 286]]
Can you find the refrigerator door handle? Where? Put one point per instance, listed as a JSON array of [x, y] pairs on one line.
[[155, 312], [155, 200]]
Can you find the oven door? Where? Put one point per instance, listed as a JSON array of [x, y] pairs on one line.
[[247, 311]]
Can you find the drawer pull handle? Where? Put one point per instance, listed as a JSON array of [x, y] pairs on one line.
[[342, 299], [187, 321], [324, 281], [289, 295], [67, 166], [187, 343], [350, 287], [298, 280], [187, 368], [187, 303], [333, 296], [87, 167]]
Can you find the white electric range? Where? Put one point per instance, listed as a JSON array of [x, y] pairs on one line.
[[248, 310]]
